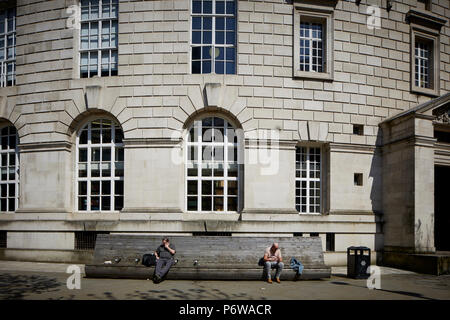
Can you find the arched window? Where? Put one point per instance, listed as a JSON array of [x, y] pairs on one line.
[[212, 170], [100, 163], [9, 164]]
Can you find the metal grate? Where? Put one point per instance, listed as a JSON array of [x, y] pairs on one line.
[[85, 240], [298, 234], [214, 234], [3, 243]]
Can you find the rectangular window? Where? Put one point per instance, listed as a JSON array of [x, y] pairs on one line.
[[85, 240], [330, 242], [308, 180], [7, 47], [358, 179], [99, 38], [424, 55], [422, 60], [213, 42], [311, 46], [313, 42]]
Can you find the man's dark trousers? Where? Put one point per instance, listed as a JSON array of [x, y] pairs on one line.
[[163, 266]]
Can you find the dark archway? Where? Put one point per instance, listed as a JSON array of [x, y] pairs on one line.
[[441, 208]]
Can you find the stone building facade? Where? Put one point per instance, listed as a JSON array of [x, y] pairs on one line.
[[235, 118]]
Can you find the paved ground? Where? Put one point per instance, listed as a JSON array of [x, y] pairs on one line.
[[45, 281]]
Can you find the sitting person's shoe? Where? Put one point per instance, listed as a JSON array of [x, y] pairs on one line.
[[278, 280], [269, 280]]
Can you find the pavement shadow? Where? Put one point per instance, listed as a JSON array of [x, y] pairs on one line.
[[405, 293], [16, 287], [200, 293]]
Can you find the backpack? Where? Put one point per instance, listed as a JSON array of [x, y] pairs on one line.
[[149, 259]]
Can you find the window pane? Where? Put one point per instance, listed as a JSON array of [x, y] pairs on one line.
[[218, 187], [232, 204], [119, 169], [192, 203], [106, 203], [206, 67], [82, 170], [82, 203], [95, 203], [196, 67], [218, 204], [83, 155], [207, 187], [118, 205], [232, 188], [192, 187], [82, 188], [230, 7], [95, 187], [118, 187], [196, 7], [220, 7], [206, 203], [196, 23], [119, 135], [207, 6]]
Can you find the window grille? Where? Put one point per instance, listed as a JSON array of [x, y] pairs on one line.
[[213, 42], [7, 47], [99, 38], [100, 167]]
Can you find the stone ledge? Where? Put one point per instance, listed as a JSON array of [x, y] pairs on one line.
[[435, 264]]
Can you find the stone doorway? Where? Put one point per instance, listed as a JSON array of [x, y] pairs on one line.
[[442, 208]]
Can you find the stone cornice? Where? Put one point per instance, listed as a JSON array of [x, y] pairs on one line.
[[269, 211], [315, 5], [152, 142], [251, 143], [352, 148], [425, 18], [45, 146], [419, 141], [151, 210]]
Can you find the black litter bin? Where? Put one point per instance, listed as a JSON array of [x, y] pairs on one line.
[[358, 261]]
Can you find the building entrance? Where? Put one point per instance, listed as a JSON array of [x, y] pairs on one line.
[[442, 208]]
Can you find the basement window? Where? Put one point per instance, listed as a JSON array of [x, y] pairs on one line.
[[85, 240], [3, 242], [212, 234]]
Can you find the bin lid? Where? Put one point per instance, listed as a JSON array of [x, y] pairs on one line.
[[358, 248]]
